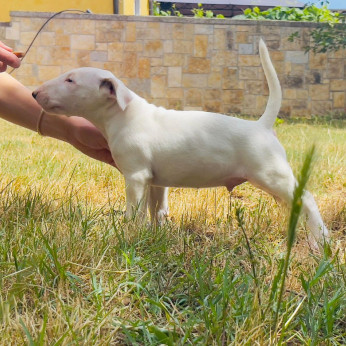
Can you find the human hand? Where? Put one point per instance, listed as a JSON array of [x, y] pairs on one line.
[[7, 58], [80, 133], [84, 136]]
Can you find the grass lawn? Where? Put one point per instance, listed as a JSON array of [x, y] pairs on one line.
[[73, 272]]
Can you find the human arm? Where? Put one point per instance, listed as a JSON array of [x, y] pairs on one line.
[[18, 106]]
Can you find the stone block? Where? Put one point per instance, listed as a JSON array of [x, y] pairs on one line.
[[317, 61], [166, 31], [297, 57], [293, 81], [160, 102], [313, 77], [233, 97], [115, 51], [83, 42], [130, 66], [174, 77], [321, 107], [175, 93], [250, 100], [242, 37], [48, 72], [48, 39], [220, 39], [13, 32], [339, 100], [248, 73], [130, 29], [184, 47], [214, 80], [212, 94], [193, 97], [159, 70], [62, 40], [158, 86], [200, 45], [175, 104], [245, 48], [213, 106], [302, 94], [99, 56], [82, 57], [254, 87], [189, 30], [168, 46], [261, 103], [54, 56], [156, 62], [232, 109], [26, 37], [31, 24], [178, 31], [173, 59], [319, 92], [106, 34], [273, 44], [277, 56], [198, 65], [248, 60], [204, 29], [290, 94], [285, 109], [140, 86], [299, 104], [335, 68], [338, 85], [230, 40], [133, 46], [194, 80], [143, 68], [153, 48], [224, 58]]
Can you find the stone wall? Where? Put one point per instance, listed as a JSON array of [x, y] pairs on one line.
[[185, 63]]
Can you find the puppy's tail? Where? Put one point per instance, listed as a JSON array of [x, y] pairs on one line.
[[274, 102]]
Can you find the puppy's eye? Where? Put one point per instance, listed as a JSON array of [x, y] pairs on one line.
[[69, 80]]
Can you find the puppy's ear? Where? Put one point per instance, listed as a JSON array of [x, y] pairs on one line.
[[116, 89]]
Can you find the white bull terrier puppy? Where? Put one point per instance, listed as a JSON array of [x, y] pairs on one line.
[[155, 148]]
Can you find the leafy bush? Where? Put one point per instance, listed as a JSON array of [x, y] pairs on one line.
[[310, 13], [331, 36], [158, 12], [198, 12]]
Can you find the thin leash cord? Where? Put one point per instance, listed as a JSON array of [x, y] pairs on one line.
[[44, 24]]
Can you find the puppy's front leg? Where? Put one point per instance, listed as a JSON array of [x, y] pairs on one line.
[[136, 197], [158, 203]]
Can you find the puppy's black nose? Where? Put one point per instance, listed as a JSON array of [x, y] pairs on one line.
[[34, 94]]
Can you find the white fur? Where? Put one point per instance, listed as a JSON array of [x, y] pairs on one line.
[[156, 148]]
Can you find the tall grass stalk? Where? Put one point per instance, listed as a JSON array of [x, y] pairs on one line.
[[296, 208]]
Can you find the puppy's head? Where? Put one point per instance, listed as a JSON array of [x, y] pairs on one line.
[[84, 92]]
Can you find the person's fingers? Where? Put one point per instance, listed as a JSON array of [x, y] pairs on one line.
[[8, 58], [3, 67]]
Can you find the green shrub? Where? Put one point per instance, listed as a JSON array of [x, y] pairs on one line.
[[310, 13]]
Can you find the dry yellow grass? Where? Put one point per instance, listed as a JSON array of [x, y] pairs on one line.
[[202, 224], [39, 162]]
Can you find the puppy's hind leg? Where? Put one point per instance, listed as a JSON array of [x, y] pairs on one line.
[[279, 181], [158, 203]]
